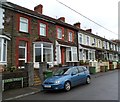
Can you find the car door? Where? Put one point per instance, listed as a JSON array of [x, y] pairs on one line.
[[82, 75], [74, 76]]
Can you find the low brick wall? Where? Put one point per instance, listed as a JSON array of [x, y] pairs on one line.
[[15, 79]]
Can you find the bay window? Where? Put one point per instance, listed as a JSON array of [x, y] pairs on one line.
[[68, 54], [3, 51], [43, 52], [71, 54]]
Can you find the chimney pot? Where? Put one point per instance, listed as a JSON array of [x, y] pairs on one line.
[[38, 9], [62, 19], [89, 30], [77, 25]]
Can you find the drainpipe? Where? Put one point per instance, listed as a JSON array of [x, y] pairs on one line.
[[12, 35]]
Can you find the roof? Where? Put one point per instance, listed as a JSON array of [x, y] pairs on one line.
[[92, 47], [98, 49], [26, 11], [42, 39], [91, 34], [32, 13], [66, 43]]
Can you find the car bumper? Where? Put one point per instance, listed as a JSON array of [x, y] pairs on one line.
[[52, 87]]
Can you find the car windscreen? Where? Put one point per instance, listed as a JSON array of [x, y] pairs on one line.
[[59, 72]]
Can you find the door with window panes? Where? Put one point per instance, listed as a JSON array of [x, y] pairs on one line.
[[22, 53]]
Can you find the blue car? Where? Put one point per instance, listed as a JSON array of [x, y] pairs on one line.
[[67, 77]]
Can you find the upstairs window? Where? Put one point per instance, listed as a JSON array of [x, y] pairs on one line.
[[43, 29], [70, 36], [80, 39], [94, 42], [87, 40], [59, 33], [23, 24]]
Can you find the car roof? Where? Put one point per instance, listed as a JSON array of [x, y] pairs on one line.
[[67, 67]]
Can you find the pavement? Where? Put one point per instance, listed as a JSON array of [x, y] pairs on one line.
[[21, 92]]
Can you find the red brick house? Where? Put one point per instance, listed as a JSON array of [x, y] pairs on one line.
[[34, 37]]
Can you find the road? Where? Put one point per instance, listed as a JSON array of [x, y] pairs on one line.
[[104, 87]]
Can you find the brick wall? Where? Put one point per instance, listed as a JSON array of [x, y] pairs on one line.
[[11, 27]]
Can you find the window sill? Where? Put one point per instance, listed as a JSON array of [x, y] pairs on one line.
[[3, 63], [72, 61], [24, 32], [43, 35]]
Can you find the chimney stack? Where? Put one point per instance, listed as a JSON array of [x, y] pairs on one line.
[[77, 25], [62, 19], [38, 9], [89, 30]]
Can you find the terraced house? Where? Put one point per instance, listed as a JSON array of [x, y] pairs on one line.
[[97, 50], [30, 36], [94, 47]]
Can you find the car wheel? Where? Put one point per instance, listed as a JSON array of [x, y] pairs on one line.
[[67, 86], [88, 80]]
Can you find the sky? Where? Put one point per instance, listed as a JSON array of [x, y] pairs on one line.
[[103, 12]]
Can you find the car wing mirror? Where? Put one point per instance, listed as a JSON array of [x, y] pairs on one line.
[[73, 74]]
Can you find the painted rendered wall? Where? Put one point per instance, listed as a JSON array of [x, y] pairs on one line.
[[1, 18]]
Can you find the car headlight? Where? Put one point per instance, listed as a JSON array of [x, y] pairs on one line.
[[57, 82]]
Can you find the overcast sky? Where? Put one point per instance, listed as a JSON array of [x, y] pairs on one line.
[[104, 12]]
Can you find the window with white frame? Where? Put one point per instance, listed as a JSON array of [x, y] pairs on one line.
[[104, 45], [71, 54], [70, 36], [23, 24], [91, 55], [43, 52], [74, 53], [115, 57], [80, 38], [3, 50], [88, 40], [22, 53], [42, 29], [99, 43], [94, 42], [59, 33], [108, 46], [47, 53], [68, 54], [110, 57]]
